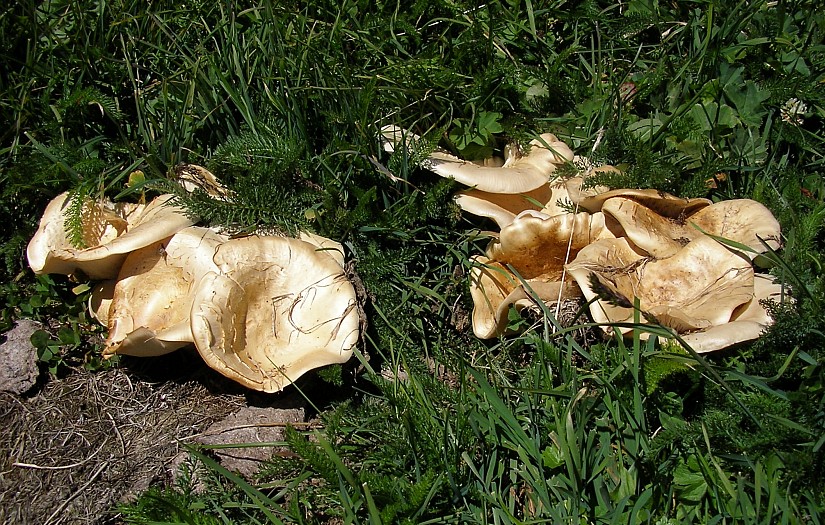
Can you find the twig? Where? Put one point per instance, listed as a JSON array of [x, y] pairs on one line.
[[59, 467], [75, 494]]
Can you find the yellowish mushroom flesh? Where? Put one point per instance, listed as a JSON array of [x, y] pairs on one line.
[[275, 309]]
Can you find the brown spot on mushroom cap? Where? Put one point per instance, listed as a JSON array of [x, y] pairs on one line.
[[275, 309], [111, 232], [700, 286], [152, 299]]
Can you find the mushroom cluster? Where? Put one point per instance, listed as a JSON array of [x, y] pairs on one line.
[[558, 241], [261, 310]]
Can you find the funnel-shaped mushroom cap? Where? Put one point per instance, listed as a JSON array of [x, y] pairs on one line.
[[277, 308], [519, 174], [110, 231], [152, 300], [538, 247], [494, 289], [697, 288], [747, 322]]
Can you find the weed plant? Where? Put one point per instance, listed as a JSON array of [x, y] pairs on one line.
[[284, 100]]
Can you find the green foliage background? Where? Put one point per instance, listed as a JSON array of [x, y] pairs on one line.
[[284, 100]]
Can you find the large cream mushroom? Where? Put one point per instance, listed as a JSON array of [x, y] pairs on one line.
[[110, 232], [151, 301], [275, 309]]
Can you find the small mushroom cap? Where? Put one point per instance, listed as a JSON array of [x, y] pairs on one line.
[[275, 309], [110, 231], [699, 287], [494, 289], [152, 299], [519, 174]]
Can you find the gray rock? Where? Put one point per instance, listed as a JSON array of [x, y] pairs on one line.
[[18, 358], [250, 425]]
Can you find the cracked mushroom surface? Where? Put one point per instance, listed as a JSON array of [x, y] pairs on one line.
[[275, 308], [110, 232]]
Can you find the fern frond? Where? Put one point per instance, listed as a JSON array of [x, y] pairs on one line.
[[89, 96], [73, 223]]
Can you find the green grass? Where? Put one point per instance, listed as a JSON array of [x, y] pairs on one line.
[[284, 101]]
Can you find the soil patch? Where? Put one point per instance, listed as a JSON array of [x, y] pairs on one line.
[[73, 450]]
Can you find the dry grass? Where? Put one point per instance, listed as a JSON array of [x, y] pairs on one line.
[[85, 442]]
